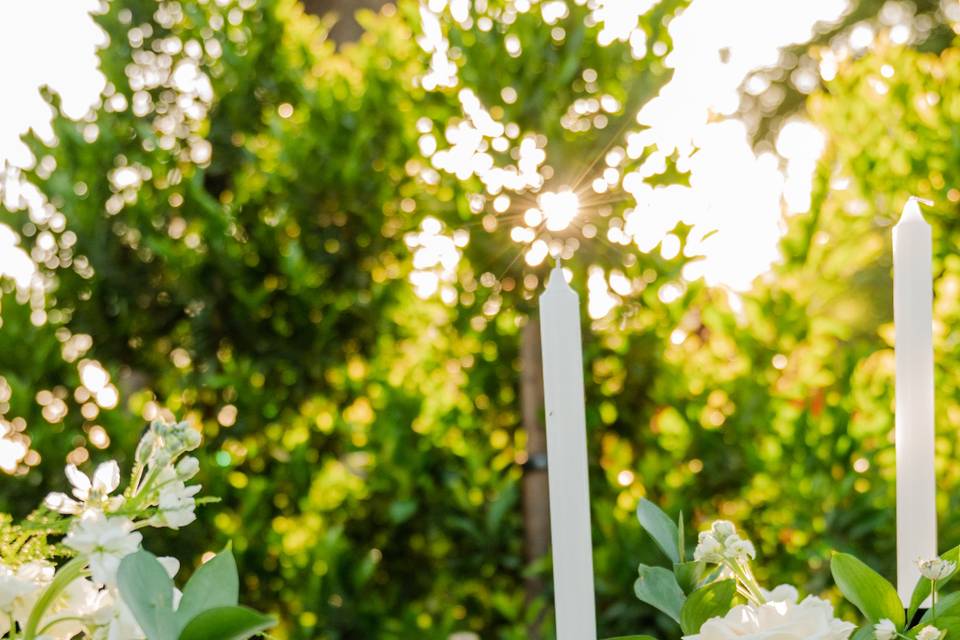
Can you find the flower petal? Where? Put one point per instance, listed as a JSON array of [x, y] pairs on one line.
[[170, 565], [79, 480], [107, 477], [62, 503]]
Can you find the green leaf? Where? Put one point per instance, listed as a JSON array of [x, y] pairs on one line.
[[948, 606], [660, 527], [711, 601], [632, 638], [214, 584], [148, 592], [922, 591], [658, 587], [227, 623], [402, 510], [689, 574], [867, 590]]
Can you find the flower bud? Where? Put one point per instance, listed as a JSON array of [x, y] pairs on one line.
[[885, 630], [929, 632], [936, 568], [723, 529], [187, 468]]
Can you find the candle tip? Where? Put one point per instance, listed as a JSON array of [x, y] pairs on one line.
[[558, 280], [911, 209]]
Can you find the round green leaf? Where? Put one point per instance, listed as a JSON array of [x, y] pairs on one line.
[[658, 587], [148, 591], [214, 584]]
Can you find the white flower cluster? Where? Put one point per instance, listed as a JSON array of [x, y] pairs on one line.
[[721, 543], [82, 596], [780, 618]]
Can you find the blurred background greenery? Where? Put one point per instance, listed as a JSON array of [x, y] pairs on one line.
[[324, 251]]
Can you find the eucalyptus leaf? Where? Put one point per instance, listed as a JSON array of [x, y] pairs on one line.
[[867, 590], [227, 623], [712, 601], [660, 527], [147, 591], [658, 587], [214, 584]]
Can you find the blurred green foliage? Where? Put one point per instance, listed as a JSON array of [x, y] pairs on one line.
[[231, 242]]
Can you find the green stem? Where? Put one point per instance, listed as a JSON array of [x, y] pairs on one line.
[[751, 586], [57, 621], [67, 574], [134, 505], [933, 599]]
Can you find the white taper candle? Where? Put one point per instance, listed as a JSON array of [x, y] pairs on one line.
[[567, 460], [913, 316]]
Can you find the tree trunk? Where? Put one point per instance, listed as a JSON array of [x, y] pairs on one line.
[[346, 28], [536, 502]]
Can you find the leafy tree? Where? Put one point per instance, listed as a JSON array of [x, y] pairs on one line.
[[802, 68], [234, 249], [223, 237]]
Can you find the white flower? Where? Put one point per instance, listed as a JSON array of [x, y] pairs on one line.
[[105, 541], [885, 630], [781, 593], [723, 529], [709, 549], [929, 633], [936, 568], [65, 616], [112, 620], [739, 549], [176, 502], [20, 588], [89, 491], [811, 619], [720, 543]]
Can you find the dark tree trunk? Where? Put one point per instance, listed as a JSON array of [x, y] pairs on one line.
[[536, 502], [346, 29]]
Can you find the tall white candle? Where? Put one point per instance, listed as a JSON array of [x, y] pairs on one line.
[[913, 315], [567, 460]]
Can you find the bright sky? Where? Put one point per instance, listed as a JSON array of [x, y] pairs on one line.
[[53, 42]]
